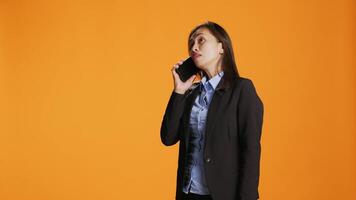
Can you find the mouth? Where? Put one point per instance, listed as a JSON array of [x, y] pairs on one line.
[[195, 55]]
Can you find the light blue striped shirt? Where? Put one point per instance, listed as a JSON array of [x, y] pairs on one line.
[[194, 180]]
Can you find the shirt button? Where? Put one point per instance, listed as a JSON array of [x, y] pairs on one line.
[[207, 160]]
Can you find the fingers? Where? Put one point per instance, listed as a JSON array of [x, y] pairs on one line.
[[176, 66], [174, 71], [175, 74]]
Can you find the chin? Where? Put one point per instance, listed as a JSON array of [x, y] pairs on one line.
[[200, 65]]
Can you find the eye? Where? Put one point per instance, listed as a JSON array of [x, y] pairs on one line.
[[201, 39]]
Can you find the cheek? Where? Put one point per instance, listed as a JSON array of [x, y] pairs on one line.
[[206, 49], [210, 52]]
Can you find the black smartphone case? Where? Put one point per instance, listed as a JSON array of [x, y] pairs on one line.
[[187, 69]]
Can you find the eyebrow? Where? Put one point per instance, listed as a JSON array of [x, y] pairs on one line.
[[199, 34], [196, 35]]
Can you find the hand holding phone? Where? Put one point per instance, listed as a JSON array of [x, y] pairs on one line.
[[184, 75], [187, 69]]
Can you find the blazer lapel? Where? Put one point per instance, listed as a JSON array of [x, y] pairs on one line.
[[214, 107], [190, 101]]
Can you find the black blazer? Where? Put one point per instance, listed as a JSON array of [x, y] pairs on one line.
[[232, 138]]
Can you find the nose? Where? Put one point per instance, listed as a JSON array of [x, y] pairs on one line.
[[195, 48]]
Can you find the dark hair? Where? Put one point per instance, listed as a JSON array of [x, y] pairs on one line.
[[228, 63]]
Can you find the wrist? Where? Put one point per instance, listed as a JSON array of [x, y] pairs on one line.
[[179, 91]]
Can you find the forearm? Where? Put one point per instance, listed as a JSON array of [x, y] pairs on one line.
[[172, 119]]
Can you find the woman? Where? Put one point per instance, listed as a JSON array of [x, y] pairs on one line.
[[218, 122]]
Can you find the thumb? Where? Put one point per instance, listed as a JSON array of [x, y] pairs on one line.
[[191, 79]]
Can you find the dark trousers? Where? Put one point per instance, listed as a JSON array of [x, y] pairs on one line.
[[192, 196]]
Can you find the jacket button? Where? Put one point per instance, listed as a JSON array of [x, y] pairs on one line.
[[207, 160]]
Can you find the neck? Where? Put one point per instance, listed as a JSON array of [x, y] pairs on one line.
[[213, 70], [212, 74]]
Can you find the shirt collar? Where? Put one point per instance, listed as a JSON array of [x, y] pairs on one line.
[[213, 82]]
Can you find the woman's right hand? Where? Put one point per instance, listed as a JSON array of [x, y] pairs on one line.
[[181, 87]]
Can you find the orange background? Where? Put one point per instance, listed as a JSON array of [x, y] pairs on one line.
[[84, 85]]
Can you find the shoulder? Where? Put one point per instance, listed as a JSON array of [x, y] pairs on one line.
[[243, 82], [246, 90], [244, 86]]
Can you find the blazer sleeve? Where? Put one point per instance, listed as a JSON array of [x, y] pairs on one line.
[[250, 119], [171, 122]]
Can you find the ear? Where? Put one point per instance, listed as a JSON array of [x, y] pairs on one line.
[[221, 50]]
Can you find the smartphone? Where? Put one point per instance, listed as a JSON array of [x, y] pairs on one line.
[[187, 69]]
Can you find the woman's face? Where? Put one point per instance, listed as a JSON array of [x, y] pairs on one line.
[[205, 49]]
